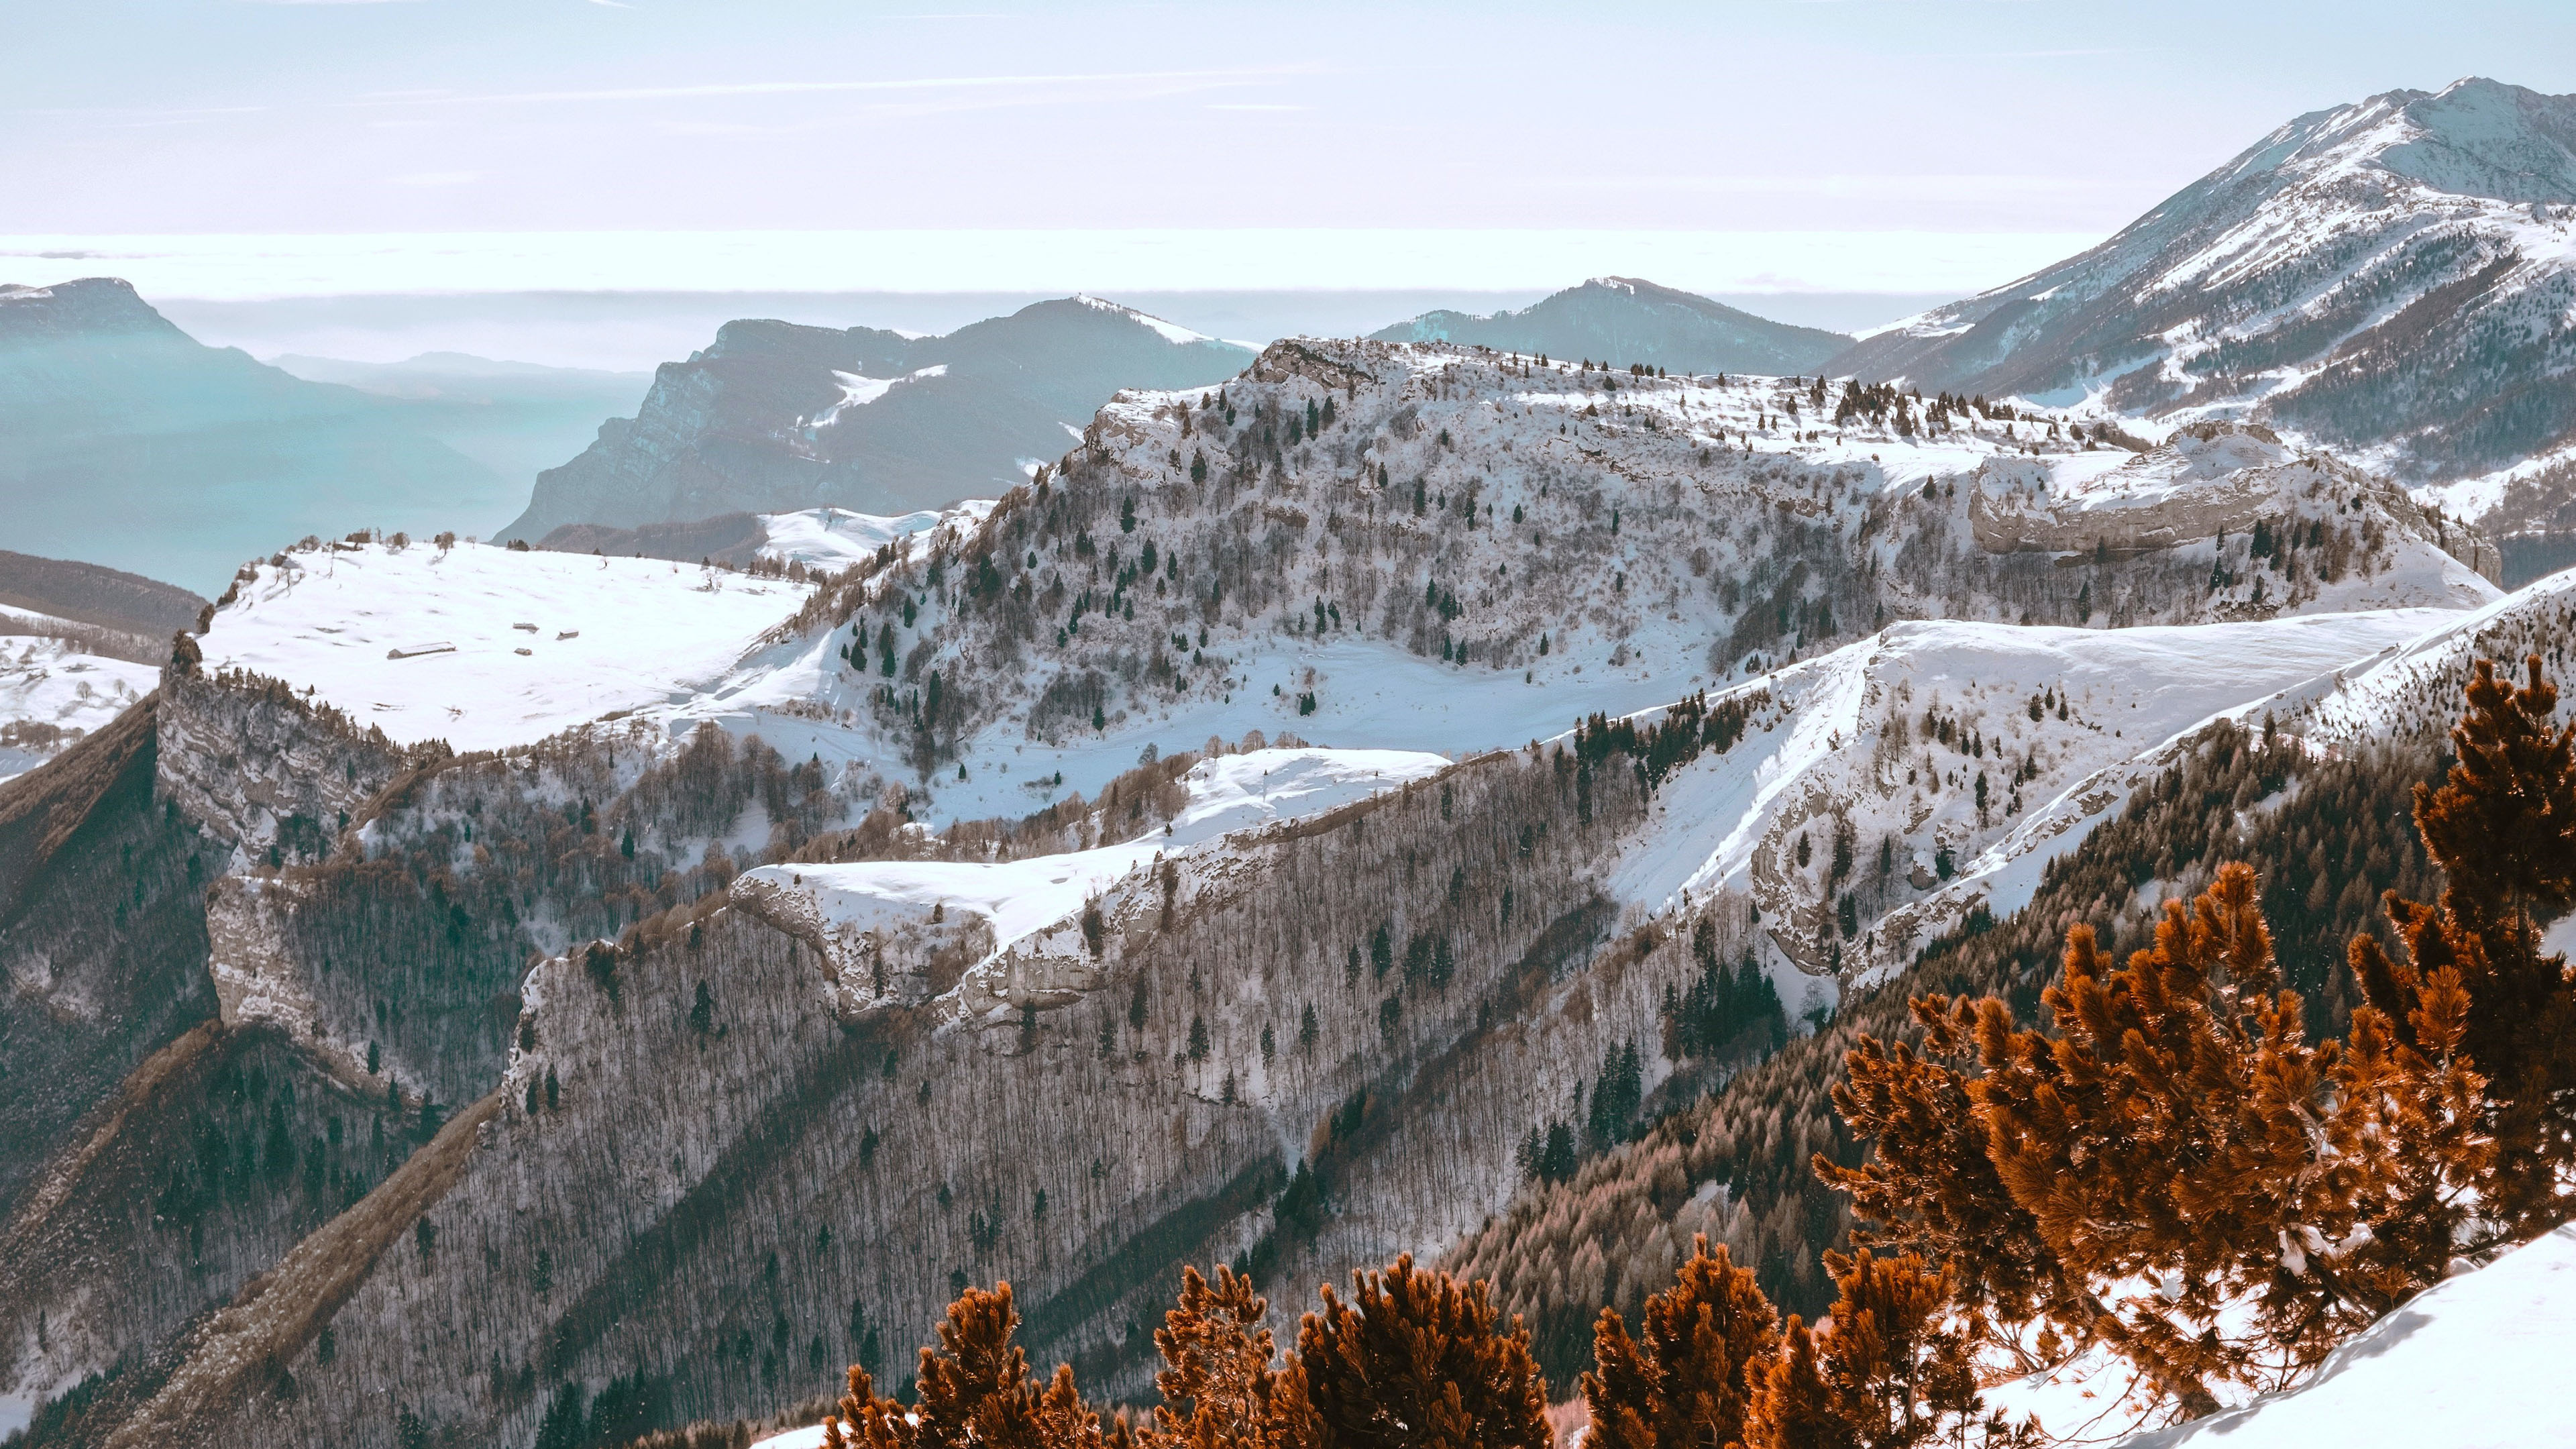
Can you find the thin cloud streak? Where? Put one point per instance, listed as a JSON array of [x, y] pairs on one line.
[[1186, 80], [726, 89]]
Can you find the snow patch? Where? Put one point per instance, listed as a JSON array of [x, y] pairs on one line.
[[1022, 897], [612, 634]]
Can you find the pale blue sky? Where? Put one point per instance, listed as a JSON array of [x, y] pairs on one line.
[[129, 116]]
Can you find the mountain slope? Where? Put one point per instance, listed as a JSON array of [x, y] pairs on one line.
[[685, 1005], [125, 442], [1623, 320], [776, 417], [2390, 279]]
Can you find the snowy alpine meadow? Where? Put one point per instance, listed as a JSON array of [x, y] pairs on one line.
[[2003, 881], [486, 647], [52, 692]]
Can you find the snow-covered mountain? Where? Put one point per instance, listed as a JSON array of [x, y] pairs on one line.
[[1621, 320], [1329, 768], [1547, 544], [2390, 279], [774, 416]]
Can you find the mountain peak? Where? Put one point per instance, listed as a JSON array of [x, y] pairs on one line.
[[2361, 278], [2475, 138], [88, 306], [2480, 137], [1628, 319]]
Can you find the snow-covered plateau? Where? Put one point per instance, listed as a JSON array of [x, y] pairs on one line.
[[486, 647]]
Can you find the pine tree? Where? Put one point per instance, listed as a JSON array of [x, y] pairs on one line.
[[1415, 1360], [974, 1389], [1889, 1370], [2502, 827], [1219, 1386], [1683, 1382], [2184, 1178]]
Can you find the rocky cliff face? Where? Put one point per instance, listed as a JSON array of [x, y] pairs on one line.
[[2389, 279], [775, 417]]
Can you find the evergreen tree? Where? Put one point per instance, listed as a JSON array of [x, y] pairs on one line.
[[1416, 1360], [973, 1389], [1889, 1370], [1683, 1381], [2502, 827], [2190, 1182], [1219, 1387]]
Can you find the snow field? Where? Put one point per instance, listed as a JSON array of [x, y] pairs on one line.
[[486, 647], [50, 682], [2475, 1362], [1022, 897], [1730, 821], [835, 538]]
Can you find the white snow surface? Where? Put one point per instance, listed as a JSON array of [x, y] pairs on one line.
[[504, 647], [2357, 701], [46, 681], [1169, 331], [1729, 821], [2477, 1362], [1021, 897], [809, 1437], [836, 538], [858, 391]]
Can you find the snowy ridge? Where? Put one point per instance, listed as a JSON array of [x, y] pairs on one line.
[[1168, 331], [1585, 536], [1842, 749], [2380, 279], [2414, 686], [860, 912], [835, 538]]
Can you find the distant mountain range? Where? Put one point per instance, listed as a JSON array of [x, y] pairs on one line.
[[2391, 279], [774, 417], [1624, 320], [124, 441], [516, 418]]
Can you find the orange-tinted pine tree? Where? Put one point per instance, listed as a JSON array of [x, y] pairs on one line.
[[1890, 1369], [2219, 1200], [1415, 1360], [1792, 1405], [1219, 1388], [1681, 1382], [974, 1389], [2503, 829], [1929, 1186]]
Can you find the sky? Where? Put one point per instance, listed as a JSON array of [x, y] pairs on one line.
[[252, 149]]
